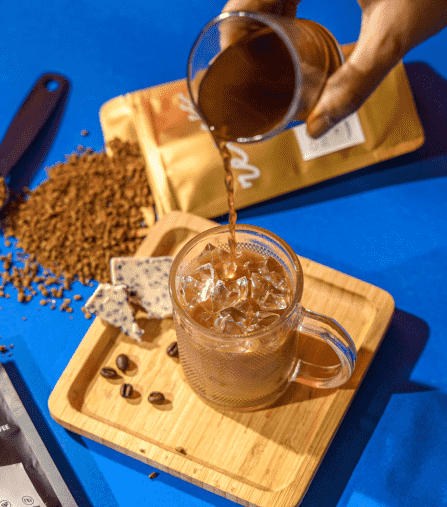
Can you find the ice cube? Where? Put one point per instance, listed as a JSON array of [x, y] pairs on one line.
[[261, 320], [202, 314], [204, 272], [212, 255], [272, 265], [206, 256], [224, 269], [230, 320], [265, 319], [254, 265], [257, 286], [222, 254], [199, 285], [232, 327], [253, 303], [189, 289], [278, 282], [241, 288], [194, 291], [206, 290], [272, 301], [235, 314], [221, 297], [249, 306]]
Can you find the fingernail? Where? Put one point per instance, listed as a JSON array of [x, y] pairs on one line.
[[318, 126]]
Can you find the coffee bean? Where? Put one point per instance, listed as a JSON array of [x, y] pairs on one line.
[[107, 372], [122, 361], [156, 398], [172, 350], [126, 390]]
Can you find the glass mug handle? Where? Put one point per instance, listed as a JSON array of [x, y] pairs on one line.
[[326, 376]]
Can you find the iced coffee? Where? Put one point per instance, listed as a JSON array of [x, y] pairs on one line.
[[242, 348], [239, 320]]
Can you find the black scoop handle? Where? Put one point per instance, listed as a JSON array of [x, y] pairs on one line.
[[31, 119]]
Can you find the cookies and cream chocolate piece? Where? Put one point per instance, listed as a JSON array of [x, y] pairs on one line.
[[147, 282], [110, 303]]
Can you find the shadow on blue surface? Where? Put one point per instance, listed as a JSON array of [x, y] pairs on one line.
[[46, 435], [388, 374], [401, 463], [430, 95]]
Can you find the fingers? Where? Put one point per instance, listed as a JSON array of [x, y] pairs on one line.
[[234, 30], [349, 87], [345, 91], [389, 29]]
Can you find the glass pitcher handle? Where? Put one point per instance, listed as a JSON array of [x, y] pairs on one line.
[[326, 376]]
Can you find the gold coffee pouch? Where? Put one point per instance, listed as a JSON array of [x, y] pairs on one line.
[[185, 170]]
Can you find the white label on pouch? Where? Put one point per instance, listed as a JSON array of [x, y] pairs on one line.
[[345, 134], [16, 488]]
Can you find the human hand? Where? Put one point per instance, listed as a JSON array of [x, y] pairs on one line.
[[389, 29]]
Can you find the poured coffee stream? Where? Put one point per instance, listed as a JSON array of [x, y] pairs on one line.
[[245, 92], [249, 87], [229, 184]]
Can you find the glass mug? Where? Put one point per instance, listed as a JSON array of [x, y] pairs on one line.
[[252, 75], [251, 371]]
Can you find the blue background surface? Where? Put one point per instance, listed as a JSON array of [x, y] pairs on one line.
[[385, 224]]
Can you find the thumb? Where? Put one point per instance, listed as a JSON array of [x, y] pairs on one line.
[[348, 88]]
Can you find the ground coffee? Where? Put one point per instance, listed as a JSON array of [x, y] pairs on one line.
[[85, 213]]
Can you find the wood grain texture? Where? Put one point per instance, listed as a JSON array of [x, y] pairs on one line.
[[265, 458]]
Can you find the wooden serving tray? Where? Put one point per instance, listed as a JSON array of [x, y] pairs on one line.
[[265, 458]]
